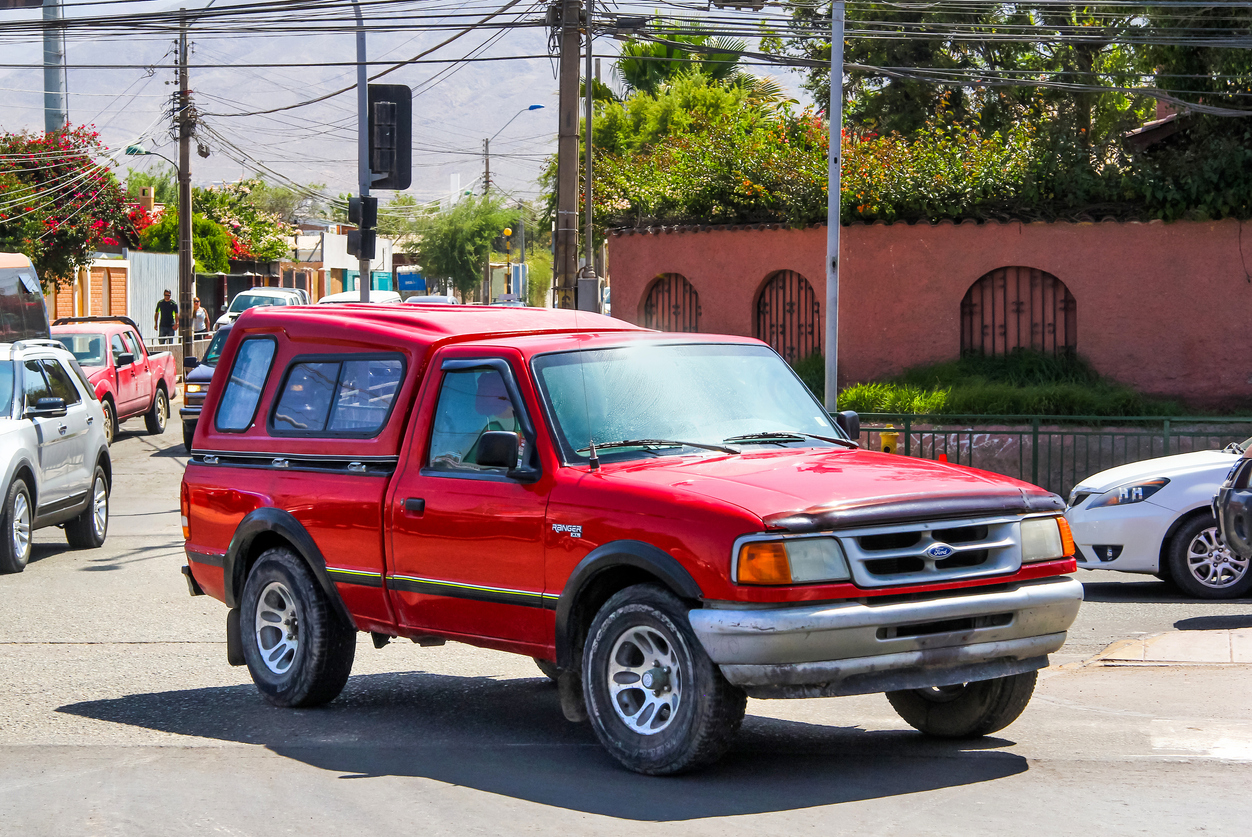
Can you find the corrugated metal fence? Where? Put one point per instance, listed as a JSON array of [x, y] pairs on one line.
[[150, 275]]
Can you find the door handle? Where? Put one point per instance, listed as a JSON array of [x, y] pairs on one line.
[[415, 505], [91, 420], [62, 429]]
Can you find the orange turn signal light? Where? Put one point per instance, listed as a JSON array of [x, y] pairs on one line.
[[764, 563], [1067, 538]]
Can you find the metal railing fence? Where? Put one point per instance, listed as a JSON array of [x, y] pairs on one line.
[[1055, 452]]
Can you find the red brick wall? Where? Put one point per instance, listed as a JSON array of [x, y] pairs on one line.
[[117, 291], [1162, 307]]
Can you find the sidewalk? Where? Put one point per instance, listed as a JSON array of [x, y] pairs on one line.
[[1205, 648]]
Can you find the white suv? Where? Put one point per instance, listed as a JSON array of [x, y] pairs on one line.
[[52, 449], [259, 297]]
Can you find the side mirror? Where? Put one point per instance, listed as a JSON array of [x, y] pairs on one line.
[[125, 359], [497, 449], [190, 362], [47, 408], [850, 423]]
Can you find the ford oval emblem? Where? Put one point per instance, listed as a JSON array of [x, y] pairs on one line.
[[938, 550]]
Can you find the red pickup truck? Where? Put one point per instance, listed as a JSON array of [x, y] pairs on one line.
[[667, 523], [129, 380]]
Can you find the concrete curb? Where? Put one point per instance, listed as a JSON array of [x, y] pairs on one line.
[[1180, 648]]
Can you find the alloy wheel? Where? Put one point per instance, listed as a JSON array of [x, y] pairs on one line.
[[100, 507], [1212, 563], [277, 627], [21, 524], [645, 679]]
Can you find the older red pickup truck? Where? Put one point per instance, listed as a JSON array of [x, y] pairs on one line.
[[667, 523], [129, 380]]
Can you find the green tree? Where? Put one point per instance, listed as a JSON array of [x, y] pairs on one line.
[[257, 233], [211, 243], [456, 244], [287, 203], [164, 183], [58, 205], [647, 66]]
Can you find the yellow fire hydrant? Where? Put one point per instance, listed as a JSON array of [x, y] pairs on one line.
[[890, 439]]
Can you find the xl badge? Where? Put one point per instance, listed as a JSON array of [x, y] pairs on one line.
[[938, 550], [572, 531]]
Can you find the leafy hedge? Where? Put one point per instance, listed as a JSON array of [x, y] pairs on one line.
[[1020, 383]]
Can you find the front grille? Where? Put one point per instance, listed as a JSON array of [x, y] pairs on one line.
[[932, 552]]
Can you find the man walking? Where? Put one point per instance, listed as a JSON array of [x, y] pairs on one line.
[[165, 318]]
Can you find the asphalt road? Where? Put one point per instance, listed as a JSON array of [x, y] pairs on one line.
[[120, 716]]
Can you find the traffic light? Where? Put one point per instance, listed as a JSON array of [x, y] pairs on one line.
[[363, 212], [361, 243], [391, 135]]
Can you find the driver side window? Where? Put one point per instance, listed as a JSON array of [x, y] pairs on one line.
[[471, 403], [117, 347]]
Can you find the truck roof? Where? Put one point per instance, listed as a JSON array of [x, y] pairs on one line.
[[423, 325]]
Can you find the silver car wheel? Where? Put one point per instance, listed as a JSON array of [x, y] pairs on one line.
[[277, 627], [1212, 563], [100, 507], [21, 525], [645, 679]]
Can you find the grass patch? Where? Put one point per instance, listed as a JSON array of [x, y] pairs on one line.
[[1019, 383]]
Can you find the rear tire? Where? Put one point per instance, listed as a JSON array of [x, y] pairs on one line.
[[158, 415], [298, 650], [549, 669], [16, 528], [110, 421], [1203, 566], [89, 529], [656, 701], [968, 710]]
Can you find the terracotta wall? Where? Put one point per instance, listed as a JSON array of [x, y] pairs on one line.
[[1166, 308]]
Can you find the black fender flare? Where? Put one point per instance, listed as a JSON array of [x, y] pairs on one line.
[[624, 553], [282, 523]]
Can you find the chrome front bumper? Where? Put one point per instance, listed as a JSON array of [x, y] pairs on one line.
[[853, 648]]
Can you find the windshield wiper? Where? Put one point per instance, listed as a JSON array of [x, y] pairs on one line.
[[790, 436], [658, 443]]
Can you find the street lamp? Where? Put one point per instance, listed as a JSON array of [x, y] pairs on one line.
[[487, 145], [140, 151]]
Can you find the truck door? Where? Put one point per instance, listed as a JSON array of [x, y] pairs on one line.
[[467, 540], [125, 375]]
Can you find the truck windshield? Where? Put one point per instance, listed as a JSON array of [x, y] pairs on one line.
[[87, 349], [710, 394], [214, 352], [245, 301]]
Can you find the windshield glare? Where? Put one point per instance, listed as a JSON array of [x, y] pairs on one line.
[[87, 349], [246, 301], [703, 393], [214, 352]]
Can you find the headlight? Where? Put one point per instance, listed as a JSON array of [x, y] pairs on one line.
[[792, 561], [1046, 539], [1135, 492], [193, 387]]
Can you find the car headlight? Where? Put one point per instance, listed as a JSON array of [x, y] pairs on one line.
[[1046, 539], [1123, 495], [194, 387], [792, 561]]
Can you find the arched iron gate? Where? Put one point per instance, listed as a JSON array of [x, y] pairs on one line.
[[672, 304], [1018, 308], [788, 316]]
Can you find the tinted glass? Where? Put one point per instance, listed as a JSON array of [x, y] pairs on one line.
[[245, 301], [307, 397], [33, 383], [214, 353], [87, 349], [704, 393], [136, 345], [366, 391], [470, 404], [243, 388], [116, 346], [59, 381], [6, 388]]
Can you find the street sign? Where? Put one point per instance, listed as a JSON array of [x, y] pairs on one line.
[[20, 4]]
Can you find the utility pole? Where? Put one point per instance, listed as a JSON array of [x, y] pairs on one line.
[[55, 114], [565, 265], [364, 174], [833, 205], [589, 285], [486, 191], [186, 126]]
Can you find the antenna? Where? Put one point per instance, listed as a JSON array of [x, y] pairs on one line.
[[593, 461]]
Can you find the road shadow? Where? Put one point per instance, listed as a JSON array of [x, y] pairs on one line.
[[1229, 622], [508, 737], [40, 551], [1143, 592]]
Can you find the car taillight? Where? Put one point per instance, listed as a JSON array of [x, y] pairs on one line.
[[184, 509]]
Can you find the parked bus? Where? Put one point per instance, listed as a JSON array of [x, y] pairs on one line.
[[23, 314]]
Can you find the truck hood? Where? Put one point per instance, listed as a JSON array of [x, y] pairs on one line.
[[804, 489]]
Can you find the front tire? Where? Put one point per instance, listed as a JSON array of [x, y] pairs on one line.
[[89, 529], [158, 415], [656, 701], [299, 652], [1203, 566], [967, 710], [110, 421], [549, 669], [15, 528]]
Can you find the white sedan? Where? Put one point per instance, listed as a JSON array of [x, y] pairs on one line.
[[1156, 517]]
